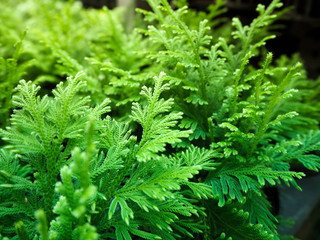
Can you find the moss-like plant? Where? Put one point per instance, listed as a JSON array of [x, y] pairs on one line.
[[188, 156], [118, 186]]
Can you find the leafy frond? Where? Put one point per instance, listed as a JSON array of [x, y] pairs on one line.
[[234, 182], [259, 209], [304, 151], [235, 225], [156, 127]]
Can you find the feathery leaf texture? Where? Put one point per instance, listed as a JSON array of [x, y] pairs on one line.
[[166, 131]]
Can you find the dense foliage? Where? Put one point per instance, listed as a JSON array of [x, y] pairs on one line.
[[171, 130]]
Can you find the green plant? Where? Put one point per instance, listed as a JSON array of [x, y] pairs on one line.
[[10, 73], [112, 189], [59, 36], [186, 158], [237, 109]]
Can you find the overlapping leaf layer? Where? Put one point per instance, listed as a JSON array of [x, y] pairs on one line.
[[170, 130]]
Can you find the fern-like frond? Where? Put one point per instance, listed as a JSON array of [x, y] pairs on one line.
[[235, 225], [304, 151], [156, 127], [234, 182]]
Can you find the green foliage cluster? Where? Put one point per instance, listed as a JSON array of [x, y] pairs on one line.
[[167, 131]]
